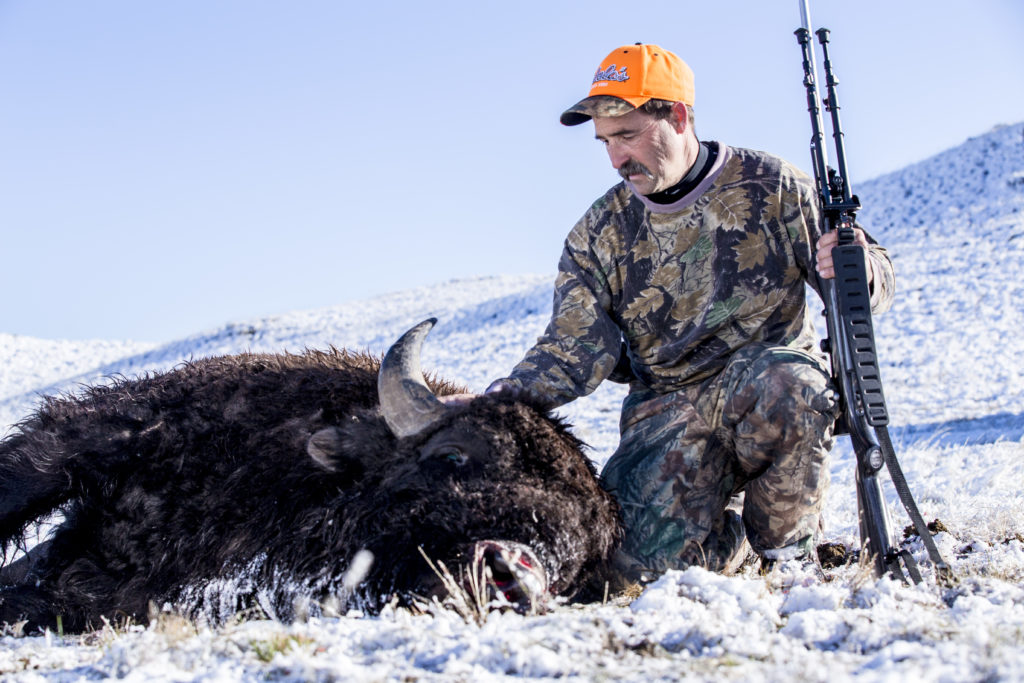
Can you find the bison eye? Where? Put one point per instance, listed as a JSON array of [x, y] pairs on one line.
[[453, 448], [452, 454], [455, 456]]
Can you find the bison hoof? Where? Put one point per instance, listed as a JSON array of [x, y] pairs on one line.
[[512, 574]]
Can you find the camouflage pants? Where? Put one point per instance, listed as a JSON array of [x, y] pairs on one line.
[[762, 426]]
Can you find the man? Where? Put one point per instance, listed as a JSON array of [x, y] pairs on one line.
[[691, 274]]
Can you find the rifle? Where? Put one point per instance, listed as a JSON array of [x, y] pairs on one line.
[[851, 339]]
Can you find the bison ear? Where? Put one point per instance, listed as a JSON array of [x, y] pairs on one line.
[[325, 447], [349, 450]]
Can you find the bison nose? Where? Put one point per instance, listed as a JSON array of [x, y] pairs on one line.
[[513, 574]]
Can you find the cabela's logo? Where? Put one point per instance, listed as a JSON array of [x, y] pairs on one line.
[[611, 74]]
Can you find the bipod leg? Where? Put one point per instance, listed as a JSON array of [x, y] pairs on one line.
[[875, 529], [911, 564], [892, 567], [943, 572], [895, 563]]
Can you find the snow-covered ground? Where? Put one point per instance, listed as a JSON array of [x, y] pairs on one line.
[[951, 351]]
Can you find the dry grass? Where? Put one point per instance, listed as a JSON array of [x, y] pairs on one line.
[[467, 597], [266, 649]]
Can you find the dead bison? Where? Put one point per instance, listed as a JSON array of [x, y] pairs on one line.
[[254, 480]]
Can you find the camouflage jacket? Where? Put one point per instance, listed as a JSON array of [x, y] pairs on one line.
[[685, 284]]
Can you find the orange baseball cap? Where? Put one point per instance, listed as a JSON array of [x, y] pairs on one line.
[[629, 76]]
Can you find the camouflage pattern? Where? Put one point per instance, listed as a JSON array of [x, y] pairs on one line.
[[688, 284], [709, 295], [762, 427], [595, 105]]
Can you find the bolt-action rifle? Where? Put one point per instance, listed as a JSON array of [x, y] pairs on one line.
[[851, 340]]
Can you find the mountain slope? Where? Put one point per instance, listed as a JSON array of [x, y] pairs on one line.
[[954, 226]]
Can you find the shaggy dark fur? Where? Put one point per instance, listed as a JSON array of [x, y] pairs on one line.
[[205, 476]]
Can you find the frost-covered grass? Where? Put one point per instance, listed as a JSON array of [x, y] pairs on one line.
[[951, 355], [797, 623]]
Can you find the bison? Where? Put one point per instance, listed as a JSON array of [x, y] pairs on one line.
[[260, 480]]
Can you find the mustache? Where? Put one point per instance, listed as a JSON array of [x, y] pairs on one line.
[[634, 168]]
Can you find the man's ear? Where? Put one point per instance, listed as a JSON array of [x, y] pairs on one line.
[[680, 119]]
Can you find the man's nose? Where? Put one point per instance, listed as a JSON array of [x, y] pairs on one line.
[[617, 155]]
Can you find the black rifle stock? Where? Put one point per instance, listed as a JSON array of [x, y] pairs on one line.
[[851, 340]]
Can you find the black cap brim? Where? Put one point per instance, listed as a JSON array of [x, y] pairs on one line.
[[595, 105]]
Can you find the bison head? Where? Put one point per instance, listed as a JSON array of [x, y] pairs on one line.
[[493, 484]]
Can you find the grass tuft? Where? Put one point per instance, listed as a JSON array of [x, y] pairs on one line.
[[467, 597], [266, 649]]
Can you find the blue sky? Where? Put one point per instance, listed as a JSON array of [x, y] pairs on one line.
[[167, 167]]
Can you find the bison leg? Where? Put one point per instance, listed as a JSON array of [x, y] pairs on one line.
[[65, 577], [25, 568], [50, 460], [32, 485], [24, 594], [38, 607], [32, 606]]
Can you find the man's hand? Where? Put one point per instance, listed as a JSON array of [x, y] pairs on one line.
[[501, 387], [497, 387], [457, 400], [823, 257]]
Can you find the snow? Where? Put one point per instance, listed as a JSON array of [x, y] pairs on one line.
[[950, 352]]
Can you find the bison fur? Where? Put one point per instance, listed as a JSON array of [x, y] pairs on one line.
[[254, 480]]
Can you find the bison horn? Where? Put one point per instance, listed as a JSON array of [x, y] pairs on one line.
[[406, 402]]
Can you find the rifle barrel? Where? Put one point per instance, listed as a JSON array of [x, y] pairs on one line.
[[805, 14]]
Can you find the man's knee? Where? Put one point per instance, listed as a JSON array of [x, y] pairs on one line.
[[781, 413], [783, 403], [781, 379]]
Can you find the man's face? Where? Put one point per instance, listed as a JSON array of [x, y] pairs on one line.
[[646, 151]]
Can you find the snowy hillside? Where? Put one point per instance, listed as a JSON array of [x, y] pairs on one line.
[[951, 353], [954, 225]]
